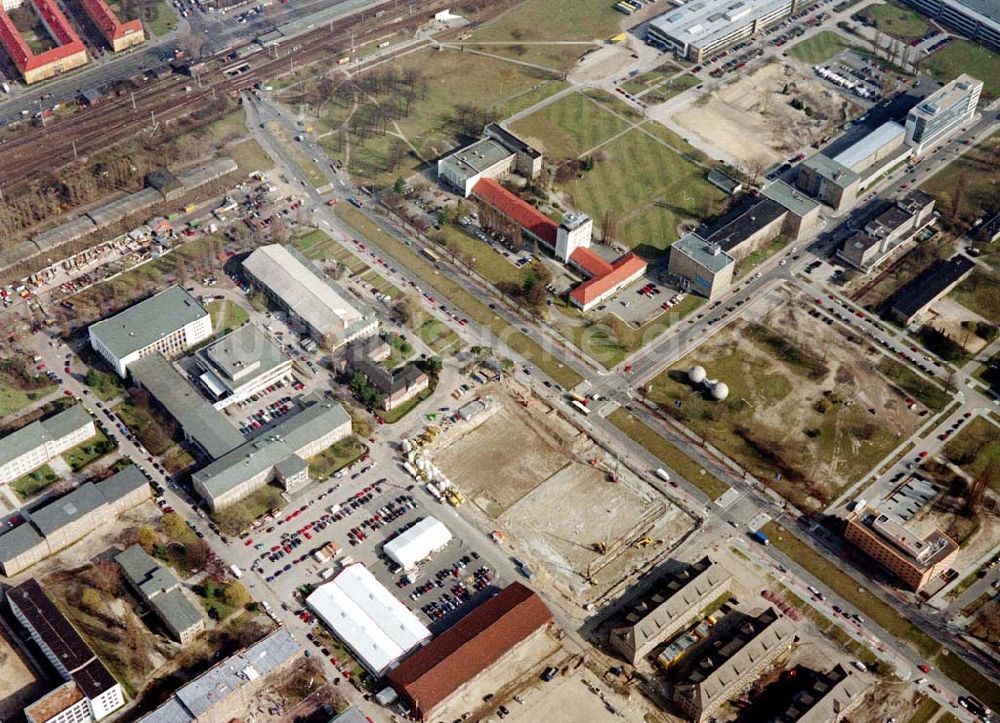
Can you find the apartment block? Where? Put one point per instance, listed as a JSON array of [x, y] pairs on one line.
[[161, 590], [943, 112]]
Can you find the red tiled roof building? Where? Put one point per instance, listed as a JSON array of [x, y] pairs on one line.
[[120, 36], [68, 55], [476, 644], [605, 279], [534, 223]]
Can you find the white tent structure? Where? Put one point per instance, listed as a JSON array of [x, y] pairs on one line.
[[417, 543], [373, 624]]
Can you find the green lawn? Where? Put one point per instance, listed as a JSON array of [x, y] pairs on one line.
[[160, 18], [402, 351], [668, 89], [569, 127], [550, 20], [492, 265], [667, 453], [226, 315], [820, 47], [897, 21], [655, 189], [34, 482], [433, 127], [831, 575], [964, 56], [923, 390], [104, 385], [438, 337], [927, 709], [980, 293], [969, 678], [87, 451], [758, 256], [976, 448], [392, 416], [475, 309], [341, 454], [641, 83], [982, 184], [240, 515], [13, 398]]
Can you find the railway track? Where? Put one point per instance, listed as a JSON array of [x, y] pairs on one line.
[[43, 150]]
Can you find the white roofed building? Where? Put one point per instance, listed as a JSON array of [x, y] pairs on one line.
[[377, 628], [418, 543]]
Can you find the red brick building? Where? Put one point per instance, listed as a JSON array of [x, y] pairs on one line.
[[68, 55], [120, 36], [476, 645]]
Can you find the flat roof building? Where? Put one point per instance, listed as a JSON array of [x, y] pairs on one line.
[[831, 182], [278, 455], [62, 645], [63, 521], [865, 249], [878, 144], [28, 448], [942, 113], [914, 560], [913, 299], [479, 644], [700, 28], [200, 422], [464, 168], [240, 364], [377, 628], [976, 19], [169, 322], [162, 591], [729, 663], [225, 692], [309, 296], [668, 607], [701, 266]]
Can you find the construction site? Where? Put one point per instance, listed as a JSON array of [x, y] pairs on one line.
[[581, 520], [762, 117]]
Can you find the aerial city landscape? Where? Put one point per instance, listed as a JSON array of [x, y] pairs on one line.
[[546, 361]]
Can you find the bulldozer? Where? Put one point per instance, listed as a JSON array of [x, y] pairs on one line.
[[600, 548], [644, 542]]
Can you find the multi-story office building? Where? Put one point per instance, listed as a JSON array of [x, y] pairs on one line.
[[240, 364], [169, 322], [33, 445], [915, 561], [697, 29], [864, 250], [943, 112], [90, 692], [668, 607], [976, 19]]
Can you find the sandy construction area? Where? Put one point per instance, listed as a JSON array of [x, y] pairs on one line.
[[17, 683], [752, 119]]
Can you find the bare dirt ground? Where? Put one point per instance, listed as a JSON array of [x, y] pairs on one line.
[[752, 119], [556, 498], [482, 464], [604, 62], [18, 685]]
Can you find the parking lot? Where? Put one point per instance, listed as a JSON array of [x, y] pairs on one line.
[[438, 592]]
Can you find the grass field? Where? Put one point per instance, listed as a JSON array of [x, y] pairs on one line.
[[341, 454], [468, 303], [668, 89], [226, 315], [14, 399], [318, 246], [927, 709], [923, 390], [980, 292], [304, 162], [438, 336], [656, 180], [105, 385], [550, 20], [570, 126], [963, 56], [491, 264], [160, 18], [969, 678], [820, 47], [976, 448], [978, 165], [897, 21], [846, 587], [431, 129], [34, 482], [87, 451], [667, 453]]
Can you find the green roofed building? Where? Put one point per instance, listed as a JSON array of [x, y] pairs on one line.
[[277, 456]]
